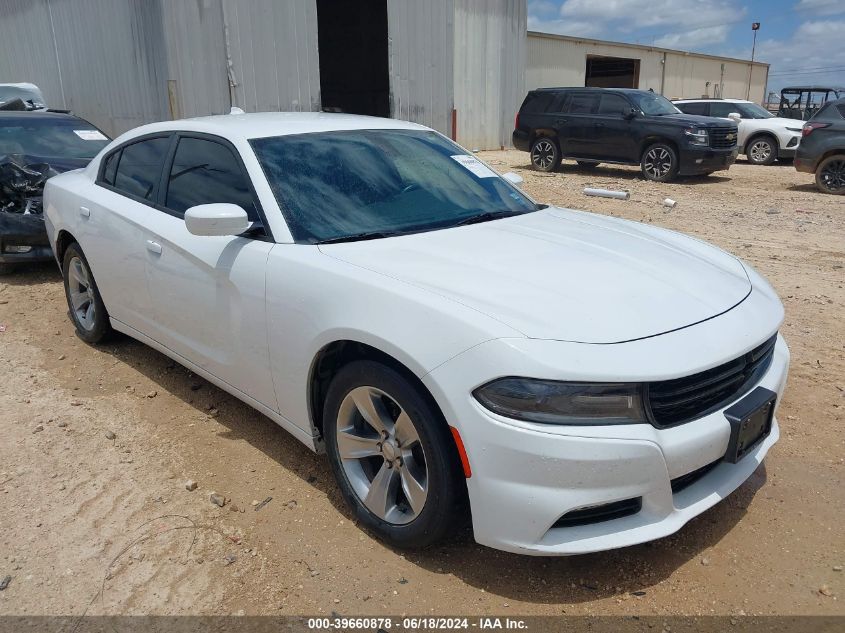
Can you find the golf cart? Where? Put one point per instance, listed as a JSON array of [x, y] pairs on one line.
[[802, 102]]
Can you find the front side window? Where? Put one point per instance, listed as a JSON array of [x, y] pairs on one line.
[[752, 111], [338, 185], [614, 105], [205, 172], [139, 167], [653, 104]]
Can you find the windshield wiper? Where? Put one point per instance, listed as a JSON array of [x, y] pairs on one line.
[[486, 217], [359, 237]]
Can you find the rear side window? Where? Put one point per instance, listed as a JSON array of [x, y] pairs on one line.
[[110, 167], [831, 112], [537, 102], [613, 105], [205, 172], [139, 167], [694, 108], [583, 103]]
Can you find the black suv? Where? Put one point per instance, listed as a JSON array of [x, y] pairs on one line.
[[822, 147], [615, 125]]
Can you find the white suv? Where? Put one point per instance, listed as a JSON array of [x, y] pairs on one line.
[[763, 137]]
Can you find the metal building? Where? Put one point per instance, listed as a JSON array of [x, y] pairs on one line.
[[454, 65], [559, 60]]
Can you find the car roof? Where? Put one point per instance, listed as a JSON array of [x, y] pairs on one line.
[[592, 89], [711, 101], [812, 87], [10, 116], [267, 124]]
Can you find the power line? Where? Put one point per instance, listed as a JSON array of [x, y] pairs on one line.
[[789, 70], [809, 72]]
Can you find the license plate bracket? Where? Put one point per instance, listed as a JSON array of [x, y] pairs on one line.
[[751, 422]]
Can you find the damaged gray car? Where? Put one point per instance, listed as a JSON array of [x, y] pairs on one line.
[[33, 147]]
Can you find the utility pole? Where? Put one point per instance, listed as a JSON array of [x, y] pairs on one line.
[[755, 26]]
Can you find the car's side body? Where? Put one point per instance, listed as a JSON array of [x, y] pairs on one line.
[[262, 316], [786, 132], [587, 130]]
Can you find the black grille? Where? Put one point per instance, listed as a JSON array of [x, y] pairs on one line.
[[597, 514], [723, 137], [685, 481], [680, 400]]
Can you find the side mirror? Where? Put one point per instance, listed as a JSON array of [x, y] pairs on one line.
[[735, 116], [216, 219], [514, 179], [631, 114]]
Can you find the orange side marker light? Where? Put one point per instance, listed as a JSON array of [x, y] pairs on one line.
[[459, 443]]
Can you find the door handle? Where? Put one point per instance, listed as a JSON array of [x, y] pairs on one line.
[[85, 212], [599, 124], [560, 121], [154, 247]]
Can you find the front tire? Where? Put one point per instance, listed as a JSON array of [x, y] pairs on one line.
[[762, 150], [659, 163], [830, 175], [545, 154], [392, 455], [85, 305]]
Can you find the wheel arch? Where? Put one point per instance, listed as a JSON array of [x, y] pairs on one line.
[[651, 140], [64, 239]]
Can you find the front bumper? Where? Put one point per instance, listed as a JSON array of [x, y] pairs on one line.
[[527, 476], [701, 160]]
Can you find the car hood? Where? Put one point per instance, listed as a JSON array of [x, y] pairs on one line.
[[695, 120], [564, 275]]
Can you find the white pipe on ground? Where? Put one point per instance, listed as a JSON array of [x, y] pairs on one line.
[[607, 193]]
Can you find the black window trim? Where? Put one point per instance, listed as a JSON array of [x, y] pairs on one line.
[[159, 192]]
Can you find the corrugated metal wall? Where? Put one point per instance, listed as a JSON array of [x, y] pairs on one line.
[[273, 47], [561, 61], [104, 59], [489, 70], [420, 48]]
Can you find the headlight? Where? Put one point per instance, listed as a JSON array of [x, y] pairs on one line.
[[552, 402], [696, 136]]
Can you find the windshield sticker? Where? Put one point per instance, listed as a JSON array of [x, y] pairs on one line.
[[474, 165], [90, 135]]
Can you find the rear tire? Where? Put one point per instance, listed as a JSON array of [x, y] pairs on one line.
[[830, 175], [85, 305], [400, 473], [761, 150], [659, 162], [545, 154]]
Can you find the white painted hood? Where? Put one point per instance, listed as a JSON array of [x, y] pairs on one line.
[[564, 275]]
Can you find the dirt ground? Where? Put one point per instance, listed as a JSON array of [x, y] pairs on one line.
[[97, 444]]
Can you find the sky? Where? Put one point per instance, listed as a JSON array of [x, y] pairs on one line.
[[803, 40]]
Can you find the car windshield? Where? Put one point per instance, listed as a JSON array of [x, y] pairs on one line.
[[360, 184], [753, 111], [656, 104], [50, 139]]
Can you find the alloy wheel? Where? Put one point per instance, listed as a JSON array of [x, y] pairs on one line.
[[81, 294], [658, 162], [832, 175], [381, 455], [543, 154], [760, 151]]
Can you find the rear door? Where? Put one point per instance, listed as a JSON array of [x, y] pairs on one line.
[[577, 131], [114, 227], [208, 292]]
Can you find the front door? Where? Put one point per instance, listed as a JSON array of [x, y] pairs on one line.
[[614, 132]]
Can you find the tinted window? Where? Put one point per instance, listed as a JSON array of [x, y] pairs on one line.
[[537, 102], [205, 172], [693, 108], [336, 185], [558, 103], [723, 109], [614, 105], [139, 167], [841, 108], [831, 112], [110, 167], [583, 103]]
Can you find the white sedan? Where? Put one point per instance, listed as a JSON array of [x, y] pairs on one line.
[[763, 137], [572, 382]]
